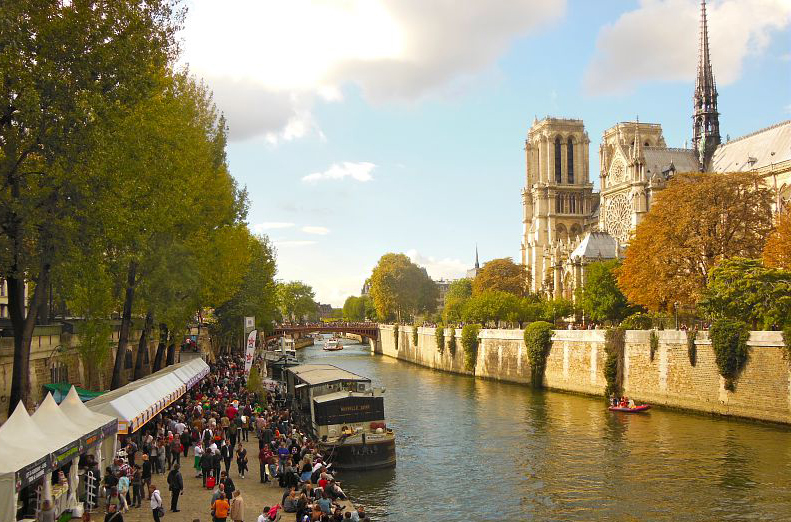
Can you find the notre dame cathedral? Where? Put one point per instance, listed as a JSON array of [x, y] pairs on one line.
[[567, 225]]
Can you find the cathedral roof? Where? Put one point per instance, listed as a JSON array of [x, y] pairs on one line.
[[754, 151], [658, 160], [596, 245]]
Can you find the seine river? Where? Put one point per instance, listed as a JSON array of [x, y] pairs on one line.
[[470, 449]]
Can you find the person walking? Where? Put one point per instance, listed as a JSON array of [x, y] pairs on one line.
[[176, 486], [198, 451], [241, 459], [175, 452], [226, 452], [206, 465], [220, 509], [156, 504], [237, 507], [137, 487], [146, 475]]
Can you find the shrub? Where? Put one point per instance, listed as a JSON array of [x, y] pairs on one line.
[[414, 335], [469, 341], [439, 334], [452, 341], [395, 336], [637, 321], [653, 341], [692, 349], [786, 333], [729, 340], [613, 365], [538, 340]]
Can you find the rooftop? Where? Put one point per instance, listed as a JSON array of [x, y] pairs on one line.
[[754, 151], [315, 374]]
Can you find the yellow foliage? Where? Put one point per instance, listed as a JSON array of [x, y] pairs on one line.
[[777, 251]]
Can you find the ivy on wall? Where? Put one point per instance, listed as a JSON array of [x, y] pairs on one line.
[[452, 342], [395, 335], [613, 364], [538, 341], [692, 349], [787, 342], [414, 335], [439, 334], [469, 341], [653, 342], [729, 340]]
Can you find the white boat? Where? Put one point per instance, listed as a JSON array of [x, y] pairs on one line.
[[332, 345]]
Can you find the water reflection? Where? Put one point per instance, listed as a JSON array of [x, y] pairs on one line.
[[483, 450]]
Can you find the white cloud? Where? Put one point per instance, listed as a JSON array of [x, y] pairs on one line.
[[357, 171], [292, 243], [270, 61], [258, 228], [447, 268], [658, 41], [321, 231]]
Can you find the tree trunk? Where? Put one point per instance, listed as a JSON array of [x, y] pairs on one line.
[[142, 347], [171, 359], [23, 324], [123, 336], [163, 339]]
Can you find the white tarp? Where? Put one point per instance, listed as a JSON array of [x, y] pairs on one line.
[[139, 401]]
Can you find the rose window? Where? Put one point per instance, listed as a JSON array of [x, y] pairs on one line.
[[619, 217]]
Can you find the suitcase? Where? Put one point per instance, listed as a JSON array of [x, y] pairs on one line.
[[210, 481]]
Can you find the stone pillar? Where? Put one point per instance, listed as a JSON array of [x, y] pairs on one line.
[[557, 291]]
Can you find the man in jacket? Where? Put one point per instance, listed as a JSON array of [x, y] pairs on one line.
[[206, 465], [226, 481], [176, 486]]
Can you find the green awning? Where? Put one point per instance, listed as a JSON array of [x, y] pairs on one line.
[[61, 389]]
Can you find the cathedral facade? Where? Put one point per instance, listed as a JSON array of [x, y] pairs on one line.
[[566, 225]]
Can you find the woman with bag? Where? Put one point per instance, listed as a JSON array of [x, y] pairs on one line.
[[156, 504], [241, 459]]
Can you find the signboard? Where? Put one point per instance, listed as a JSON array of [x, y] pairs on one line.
[[32, 472], [346, 410], [249, 352], [270, 384], [249, 322]]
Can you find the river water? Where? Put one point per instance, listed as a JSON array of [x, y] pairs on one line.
[[470, 449]]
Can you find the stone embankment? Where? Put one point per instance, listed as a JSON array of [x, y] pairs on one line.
[[576, 364]]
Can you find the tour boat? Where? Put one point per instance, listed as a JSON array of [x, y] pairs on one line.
[[345, 414], [333, 345], [636, 409]]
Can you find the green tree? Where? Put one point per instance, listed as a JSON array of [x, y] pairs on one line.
[[401, 289], [296, 300], [745, 290], [600, 298], [354, 309], [491, 307], [453, 311], [503, 275], [70, 69], [460, 288]]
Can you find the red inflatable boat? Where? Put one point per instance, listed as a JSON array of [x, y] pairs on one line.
[[636, 409]]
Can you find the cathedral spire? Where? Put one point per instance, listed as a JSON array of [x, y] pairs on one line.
[[705, 120], [477, 265]]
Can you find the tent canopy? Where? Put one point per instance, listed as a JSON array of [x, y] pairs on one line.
[[139, 401]]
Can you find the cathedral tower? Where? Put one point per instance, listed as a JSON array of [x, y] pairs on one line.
[[558, 198], [705, 121]]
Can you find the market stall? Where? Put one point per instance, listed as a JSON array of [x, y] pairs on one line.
[[51, 441], [140, 401]]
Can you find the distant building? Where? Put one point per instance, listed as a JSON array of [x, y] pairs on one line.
[[471, 273], [366, 290], [325, 311], [442, 285]]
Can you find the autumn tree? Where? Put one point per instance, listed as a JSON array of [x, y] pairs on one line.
[[68, 69], [600, 298], [777, 251], [698, 220], [400, 288], [503, 275]]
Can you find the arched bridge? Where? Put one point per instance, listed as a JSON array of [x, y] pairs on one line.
[[370, 330]]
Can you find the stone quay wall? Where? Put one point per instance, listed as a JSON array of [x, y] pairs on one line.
[[576, 364]]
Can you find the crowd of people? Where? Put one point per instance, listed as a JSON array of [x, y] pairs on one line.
[[213, 420]]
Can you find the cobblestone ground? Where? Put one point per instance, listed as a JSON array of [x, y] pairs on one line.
[[194, 503]]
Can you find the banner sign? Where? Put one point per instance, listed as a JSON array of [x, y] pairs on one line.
[[249, 353], [270, 384], [33, 471], [249, 322]]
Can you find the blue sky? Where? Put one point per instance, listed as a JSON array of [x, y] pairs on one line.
[[368, 127]]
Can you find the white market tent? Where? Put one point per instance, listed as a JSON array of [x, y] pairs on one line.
[[139, 401], [31, 447]]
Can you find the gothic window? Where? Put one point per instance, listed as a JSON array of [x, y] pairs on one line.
[[617, 173], [558, 177], [573, 204], [570, 159], [557, 204], [128, 359], [619, 217]]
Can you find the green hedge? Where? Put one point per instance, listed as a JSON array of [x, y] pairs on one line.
[[414, 335], [469, 341], [538, 340], [787, 342], [729, 340], [613, 347], [439, 334], [637, 321], [452, 341]]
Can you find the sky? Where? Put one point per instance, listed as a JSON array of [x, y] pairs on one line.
[[362, 127]]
